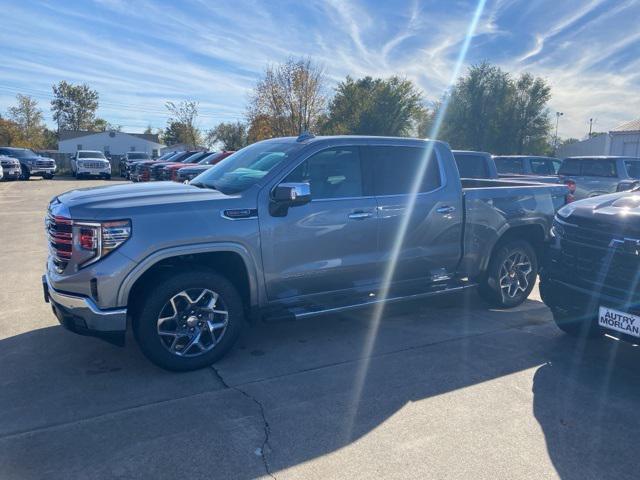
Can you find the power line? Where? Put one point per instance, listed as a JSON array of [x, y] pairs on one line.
[[121, 106]]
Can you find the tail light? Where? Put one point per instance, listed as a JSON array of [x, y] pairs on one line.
[[571, 185]]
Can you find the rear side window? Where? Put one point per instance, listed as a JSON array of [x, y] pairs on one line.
[[395, 169], [570, 166], [633, 168], [509, 165], [599, 168], [332, 173], [471, 166]]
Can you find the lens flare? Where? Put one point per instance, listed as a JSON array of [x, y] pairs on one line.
[[372, 334]]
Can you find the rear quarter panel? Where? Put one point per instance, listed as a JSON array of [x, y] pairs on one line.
[[492, 211]]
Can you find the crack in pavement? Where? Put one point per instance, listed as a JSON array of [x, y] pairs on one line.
[[266, 426]]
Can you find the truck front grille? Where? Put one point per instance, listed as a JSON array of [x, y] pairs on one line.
[[98, 165], [60, 239], [598, 261], [45, 164]]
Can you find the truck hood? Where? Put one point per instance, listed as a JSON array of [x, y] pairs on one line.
[[612, 209], [132, 199]]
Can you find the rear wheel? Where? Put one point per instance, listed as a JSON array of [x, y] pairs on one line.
[[511, 275], [189, 321]]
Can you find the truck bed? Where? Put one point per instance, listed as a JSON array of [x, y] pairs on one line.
[[493, 206]]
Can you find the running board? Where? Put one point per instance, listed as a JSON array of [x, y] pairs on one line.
[[285, 314]]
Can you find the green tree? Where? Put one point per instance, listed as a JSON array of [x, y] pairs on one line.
[[233, 136], [181, 125], [489, 110], [74, 106], [28, 117], [369, 106], [289, 98]]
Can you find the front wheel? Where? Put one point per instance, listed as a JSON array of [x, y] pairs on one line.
[[25, 173], [511, 274], [189, 321], [47, 176]]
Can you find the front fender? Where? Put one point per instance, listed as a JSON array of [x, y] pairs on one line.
[[159, 255]]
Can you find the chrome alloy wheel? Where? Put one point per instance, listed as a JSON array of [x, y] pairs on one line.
[[514, 274], [192, 322]]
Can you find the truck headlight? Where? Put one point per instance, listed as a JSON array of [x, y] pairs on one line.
[[97, 240]]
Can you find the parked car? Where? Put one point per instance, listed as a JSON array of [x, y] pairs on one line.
[[139, 170], [155, 170], [170, 170], [90, 163], [590, 276], [128, 158], [287, 228], [143, 169], [483, 165], [593, 176], [10, 168], [31, 164], [185, 174]]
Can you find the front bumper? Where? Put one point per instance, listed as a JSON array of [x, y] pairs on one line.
[[42, 171], [11, 172], [82, 316], [94, 172]]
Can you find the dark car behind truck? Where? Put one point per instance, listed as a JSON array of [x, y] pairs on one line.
[[590, 279], [287, 228]]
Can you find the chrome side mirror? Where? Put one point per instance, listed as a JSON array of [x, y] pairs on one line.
[[288, 195]]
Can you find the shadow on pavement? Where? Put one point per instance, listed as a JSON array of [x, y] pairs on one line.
[[285, 396]]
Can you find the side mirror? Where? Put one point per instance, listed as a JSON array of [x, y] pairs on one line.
[[288, 195]]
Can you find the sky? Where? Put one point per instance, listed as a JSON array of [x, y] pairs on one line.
[[140, 54]]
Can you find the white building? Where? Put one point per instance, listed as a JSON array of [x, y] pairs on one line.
[[111, 143], [624, 140]]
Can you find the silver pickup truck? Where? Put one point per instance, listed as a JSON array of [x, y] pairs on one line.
[[287, 228], [593, 176]]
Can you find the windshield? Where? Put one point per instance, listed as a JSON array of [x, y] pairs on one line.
[[509, 165], [19, 153], [246, 167], [210, 159], [196, 157], [138, 156], [90, 155], [633, 168]]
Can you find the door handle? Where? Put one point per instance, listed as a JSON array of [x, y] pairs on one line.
[[360, 215], [446, 209]]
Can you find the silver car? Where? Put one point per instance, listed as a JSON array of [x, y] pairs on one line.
[[592, 176]]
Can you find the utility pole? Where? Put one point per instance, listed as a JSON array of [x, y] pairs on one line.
[[590, 126], [555, 143]]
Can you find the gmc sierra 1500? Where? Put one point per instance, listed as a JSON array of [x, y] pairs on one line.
[[288, 227]]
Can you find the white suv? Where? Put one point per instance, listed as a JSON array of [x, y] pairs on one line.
[[90, 163]]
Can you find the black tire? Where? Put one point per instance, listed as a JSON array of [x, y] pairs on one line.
[[489, 288], [576, 324], [47, 176], [107, 177], [25, 173], [145, 322]]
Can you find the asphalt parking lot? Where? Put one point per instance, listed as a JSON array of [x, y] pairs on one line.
[[452, 390]]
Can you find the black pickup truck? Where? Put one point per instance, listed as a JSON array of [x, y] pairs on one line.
[[591, 272]]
